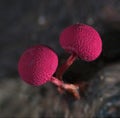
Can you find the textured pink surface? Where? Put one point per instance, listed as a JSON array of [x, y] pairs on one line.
[[82, 40], [37, 65]]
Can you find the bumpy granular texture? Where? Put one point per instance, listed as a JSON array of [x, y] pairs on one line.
[[83, 40], [37, 65]]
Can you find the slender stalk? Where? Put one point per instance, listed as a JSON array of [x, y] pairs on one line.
[[65, 66], [57, 82], [67, 87]]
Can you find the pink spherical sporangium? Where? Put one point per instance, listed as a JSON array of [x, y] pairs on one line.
[[37, 65], [82, 40]]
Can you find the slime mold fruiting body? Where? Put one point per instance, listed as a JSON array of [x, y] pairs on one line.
[[37, 66], [81, 41]]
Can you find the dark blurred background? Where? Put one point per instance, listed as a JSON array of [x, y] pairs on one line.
[[24, 23]]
